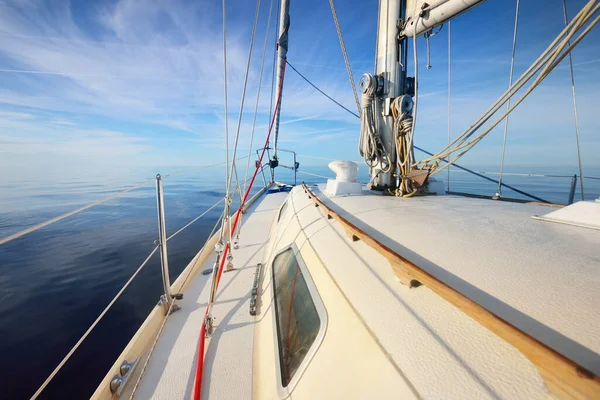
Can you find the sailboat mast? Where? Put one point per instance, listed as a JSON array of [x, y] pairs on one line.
[[282, 48], [390, 70]]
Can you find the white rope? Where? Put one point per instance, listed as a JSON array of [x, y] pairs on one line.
[[85, 335], [575, 108], [346, 60], [536, 66], [510, 81], [169, 311], [370, 146], [549, 59], [71, 213]]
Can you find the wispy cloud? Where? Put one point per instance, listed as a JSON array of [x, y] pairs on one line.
[[144, 80]]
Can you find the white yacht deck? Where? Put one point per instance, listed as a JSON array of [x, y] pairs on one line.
[[542, 277], [228, 361]]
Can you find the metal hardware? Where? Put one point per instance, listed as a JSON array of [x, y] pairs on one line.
[[162, 301], [387, 107], [294, 168], [117, 383], [207, 271], [406, 105], [427, 36], [373, 82], [229, 266], [254, 296], [208, 323], [410, 86], [162, 237], [572, 191]]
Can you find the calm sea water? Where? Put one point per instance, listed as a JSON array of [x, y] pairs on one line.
[[55, 282]]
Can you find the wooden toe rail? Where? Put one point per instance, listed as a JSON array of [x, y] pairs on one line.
[[564, 378]]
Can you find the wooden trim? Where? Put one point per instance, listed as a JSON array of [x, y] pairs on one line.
[[537, 203], [564, 378]]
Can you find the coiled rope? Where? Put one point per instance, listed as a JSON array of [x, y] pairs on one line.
[[370, 145], [403, 134]]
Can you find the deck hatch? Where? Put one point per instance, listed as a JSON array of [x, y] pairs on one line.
[[296, 315]]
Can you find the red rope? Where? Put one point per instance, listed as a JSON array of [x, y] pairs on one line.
[[200, 363]]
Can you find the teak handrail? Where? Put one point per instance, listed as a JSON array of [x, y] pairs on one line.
[[564, 378]]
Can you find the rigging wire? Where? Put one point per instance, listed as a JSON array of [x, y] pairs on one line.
[[169, 311], [225, 98], [70, 213], [455, 165], [319, 90], [311, 174], [197, 391], [194, 220], [89, 330], [549, 59], [262, 66], [239, 123], [449, 75], [574, 107], [185, 171], [510, 82], [345, 53], [548, 56], [34, 228]]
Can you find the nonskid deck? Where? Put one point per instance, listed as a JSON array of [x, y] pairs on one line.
[[228, 357]]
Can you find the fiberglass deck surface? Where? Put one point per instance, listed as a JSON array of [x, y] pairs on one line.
[[228, 360], [542, 277]]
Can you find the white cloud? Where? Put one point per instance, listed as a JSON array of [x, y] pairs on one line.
[[139, 76]]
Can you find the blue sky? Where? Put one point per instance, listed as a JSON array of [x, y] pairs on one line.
[[131, 82]]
